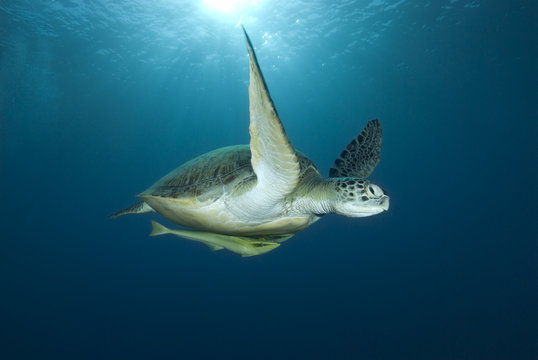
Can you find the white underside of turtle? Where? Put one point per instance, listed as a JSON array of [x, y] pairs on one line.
[[250, 198]]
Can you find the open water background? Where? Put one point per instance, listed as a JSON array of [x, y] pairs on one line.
[[100, 98]]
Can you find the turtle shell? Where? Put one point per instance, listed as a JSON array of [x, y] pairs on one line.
[[222, 171]]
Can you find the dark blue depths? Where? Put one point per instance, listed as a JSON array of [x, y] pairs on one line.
[[94, 108]]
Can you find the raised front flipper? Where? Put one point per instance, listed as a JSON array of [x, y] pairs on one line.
[[273, 158], [362, 154], [242, 245]]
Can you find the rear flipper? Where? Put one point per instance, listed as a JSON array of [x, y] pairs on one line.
[[138, 208]]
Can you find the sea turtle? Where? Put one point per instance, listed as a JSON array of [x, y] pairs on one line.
[[250, 198]]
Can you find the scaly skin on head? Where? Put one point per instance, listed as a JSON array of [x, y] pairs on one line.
[[351, 197]]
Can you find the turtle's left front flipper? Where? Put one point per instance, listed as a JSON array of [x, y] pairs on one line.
[[242, 245], [273, 157]]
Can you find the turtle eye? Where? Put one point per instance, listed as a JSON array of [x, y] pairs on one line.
[[375, 191]]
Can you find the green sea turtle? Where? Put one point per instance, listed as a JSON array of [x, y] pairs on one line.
[[250, 198]]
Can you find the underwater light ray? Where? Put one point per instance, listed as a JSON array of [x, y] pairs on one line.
[[229, 6]]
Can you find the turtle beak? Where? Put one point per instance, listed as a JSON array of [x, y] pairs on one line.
[[385, 200]]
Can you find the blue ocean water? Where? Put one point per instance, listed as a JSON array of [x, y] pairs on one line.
[[100, 98]]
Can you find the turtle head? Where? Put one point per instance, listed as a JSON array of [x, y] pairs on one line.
[[358, 198]]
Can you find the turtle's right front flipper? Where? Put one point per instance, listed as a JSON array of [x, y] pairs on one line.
[[361, 155], [138, 208]]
